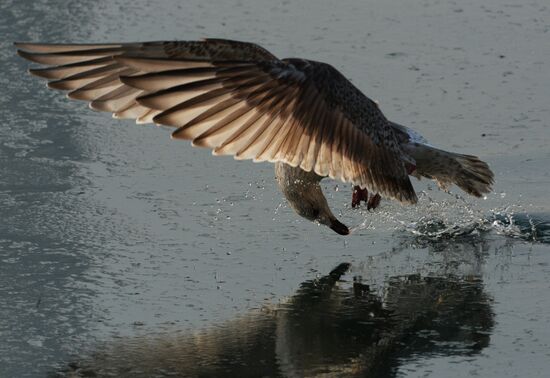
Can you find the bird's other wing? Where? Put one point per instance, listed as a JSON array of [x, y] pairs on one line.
[[238, 99], [406, 134]]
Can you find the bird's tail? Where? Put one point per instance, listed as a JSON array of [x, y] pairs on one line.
[[466, 171]]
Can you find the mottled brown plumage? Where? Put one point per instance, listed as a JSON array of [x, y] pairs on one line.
[[239, 99]]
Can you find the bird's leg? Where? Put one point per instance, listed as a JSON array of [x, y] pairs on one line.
[[359, 195], [373, 201]]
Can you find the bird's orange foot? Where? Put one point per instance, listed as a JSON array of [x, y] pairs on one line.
[[359, 195], [374, 201]]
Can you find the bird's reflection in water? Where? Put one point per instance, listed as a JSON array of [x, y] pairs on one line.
[[332, 331], [328, 328]]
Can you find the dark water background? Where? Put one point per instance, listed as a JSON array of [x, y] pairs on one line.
[[125, 253]]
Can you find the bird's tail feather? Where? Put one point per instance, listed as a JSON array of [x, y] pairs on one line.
[[466, 171]]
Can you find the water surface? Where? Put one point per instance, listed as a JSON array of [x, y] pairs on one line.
[[123, 252]]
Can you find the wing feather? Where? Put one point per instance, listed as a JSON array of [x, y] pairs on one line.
[[60, 72], [158, 64], [132, 111], [272, 127], [226, 127], [148, 116], [243, 131], [246, 142], [83, 78], [56, 47], [57, 59], [90, 93], [116, 100], [156, 81], [283, 128]]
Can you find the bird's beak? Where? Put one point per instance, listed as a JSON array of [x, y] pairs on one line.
[[339, 227]]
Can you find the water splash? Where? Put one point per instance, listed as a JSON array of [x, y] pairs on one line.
[[530, 227], [456, 217]]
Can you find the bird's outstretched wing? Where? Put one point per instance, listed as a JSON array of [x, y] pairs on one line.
[[238, 99]]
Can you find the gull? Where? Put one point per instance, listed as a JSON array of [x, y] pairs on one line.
[[239, 99]]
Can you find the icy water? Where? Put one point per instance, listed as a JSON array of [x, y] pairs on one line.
[[123, 253]]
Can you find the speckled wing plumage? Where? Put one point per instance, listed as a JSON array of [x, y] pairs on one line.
[[381, 162], [238, 99]]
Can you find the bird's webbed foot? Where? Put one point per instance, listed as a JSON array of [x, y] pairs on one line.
[[373, 201], [359, 195]]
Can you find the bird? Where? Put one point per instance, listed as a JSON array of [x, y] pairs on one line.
[[239, 99]]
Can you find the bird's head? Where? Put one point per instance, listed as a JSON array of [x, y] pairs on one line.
[[313, 205]]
